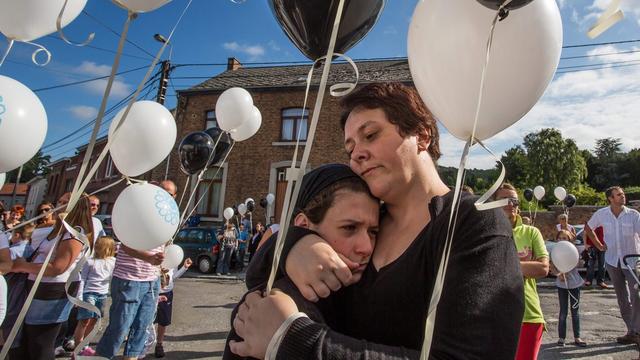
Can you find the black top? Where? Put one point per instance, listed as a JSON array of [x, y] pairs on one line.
[[480, 311]]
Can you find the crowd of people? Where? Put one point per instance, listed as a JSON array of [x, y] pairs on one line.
[[359, 270]]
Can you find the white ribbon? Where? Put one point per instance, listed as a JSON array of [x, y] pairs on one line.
[[610, 17], [480, 204], [61, 33], [290, 199]]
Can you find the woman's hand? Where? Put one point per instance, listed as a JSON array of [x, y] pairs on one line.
[[317, 269], [257, 321], [18, 265]]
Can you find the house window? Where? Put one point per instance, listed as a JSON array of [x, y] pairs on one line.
[[109, 168], [68, 186], [294, 122], [210, 189], [210, 120]]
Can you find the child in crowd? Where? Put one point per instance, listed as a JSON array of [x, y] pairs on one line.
[[21, 242], [96, 276], [568, 285], [165, 302]]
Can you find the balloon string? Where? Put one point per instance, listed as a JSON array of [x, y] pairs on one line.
[[577, 302], [297, 175], [444, 262], [34, 55], [32, 292], [61, 33], [58, 208], [205, 192], [75, 193], [153, 64], [7, 51], [201, 175]]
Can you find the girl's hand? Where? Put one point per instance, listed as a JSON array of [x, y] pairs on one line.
[[188, 263], [162, 298], [317, 269], [257, 321]]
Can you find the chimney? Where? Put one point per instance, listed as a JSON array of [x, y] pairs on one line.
[[233, 64]]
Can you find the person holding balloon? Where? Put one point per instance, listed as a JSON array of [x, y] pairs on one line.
[[165, 303], [534, 264], [134, 297], [392, 142], [228, 243], [568, 284]]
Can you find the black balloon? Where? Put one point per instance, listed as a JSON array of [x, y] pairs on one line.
[[194, 152], [264, 203], [308, 23], [251, 206], [495, 4], [528, 194], [223, 146], [569, 200]]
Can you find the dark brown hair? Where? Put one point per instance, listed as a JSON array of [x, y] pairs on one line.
[[317, 208], [80, 215], [403, 107], [609, 192]]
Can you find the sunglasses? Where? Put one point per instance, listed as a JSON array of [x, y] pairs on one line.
[[513, 201], [94, 205], [44, 210]]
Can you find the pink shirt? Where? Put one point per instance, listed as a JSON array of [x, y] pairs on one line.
[[130, 268]]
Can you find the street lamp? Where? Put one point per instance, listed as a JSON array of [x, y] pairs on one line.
[[162, 39]]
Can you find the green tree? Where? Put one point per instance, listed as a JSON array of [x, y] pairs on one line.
[[608, 148], [38, 165], [553, 161], [517, 166]]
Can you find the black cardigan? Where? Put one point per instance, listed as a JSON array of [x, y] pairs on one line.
[[480, 311]]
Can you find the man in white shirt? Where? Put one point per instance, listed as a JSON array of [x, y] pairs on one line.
[[621, 226]]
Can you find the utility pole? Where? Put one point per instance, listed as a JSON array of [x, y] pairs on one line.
[[164, 81]]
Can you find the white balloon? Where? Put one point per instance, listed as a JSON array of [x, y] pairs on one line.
[[233, 107], [249, 127], [564, 256], [242, 209], [140, 6], [228, 213], [144, 216], [271, 198], [560, 193], [23, 124], [447, 49], [3, 177], [538, 192], [27, 20], [145, 138], [173, 255]]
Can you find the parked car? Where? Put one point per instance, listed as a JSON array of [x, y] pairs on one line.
[[579, 243], [201, 245]]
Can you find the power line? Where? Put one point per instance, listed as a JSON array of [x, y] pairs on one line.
[[600, 44], [603, 65], [597, 55], [104, 50], [108, 111], [600, 68], [117, 34], [88, 80]]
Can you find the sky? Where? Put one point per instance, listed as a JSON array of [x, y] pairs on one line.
[[588, 103]]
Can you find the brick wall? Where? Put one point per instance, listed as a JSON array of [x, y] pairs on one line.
[[250, 162]]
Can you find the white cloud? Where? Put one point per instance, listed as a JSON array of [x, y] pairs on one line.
[[273, 45], [252, 50], [584, 106], [119, 87], [83, 112]]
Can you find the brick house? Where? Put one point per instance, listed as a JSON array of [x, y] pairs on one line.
[[63, 174], [257, 166]]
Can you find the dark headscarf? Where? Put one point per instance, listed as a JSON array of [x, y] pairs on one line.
[[318, 179]]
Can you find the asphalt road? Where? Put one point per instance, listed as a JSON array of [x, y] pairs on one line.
[[203, 304]]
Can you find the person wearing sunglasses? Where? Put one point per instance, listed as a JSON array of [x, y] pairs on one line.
[[45, 208], [534, 263]]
